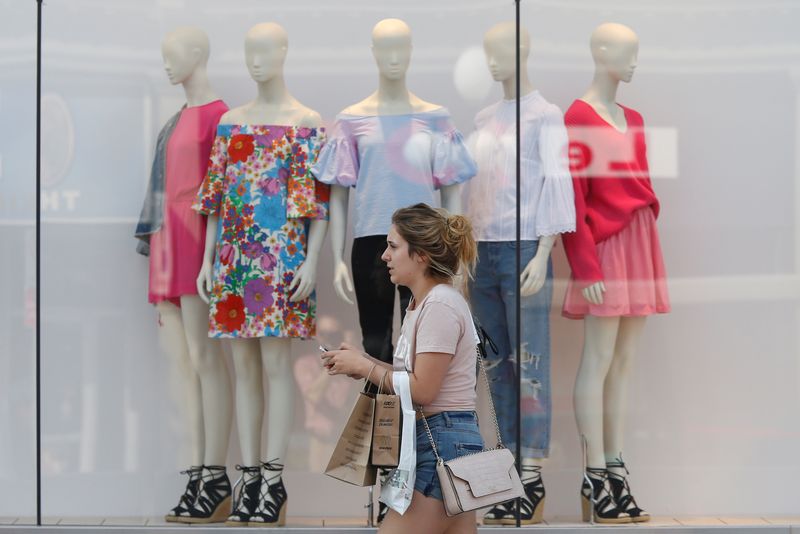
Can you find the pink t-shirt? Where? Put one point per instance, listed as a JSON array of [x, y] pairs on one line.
[[442, 322]]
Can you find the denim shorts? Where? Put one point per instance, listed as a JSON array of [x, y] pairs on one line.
[[455, 434]]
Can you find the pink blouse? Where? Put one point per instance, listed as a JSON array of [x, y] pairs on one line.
[[442, 322]]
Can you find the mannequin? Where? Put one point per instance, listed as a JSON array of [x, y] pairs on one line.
[[406, 126], [173, 235], [260, 262], [396, 150], [547, 209], [618, 275]]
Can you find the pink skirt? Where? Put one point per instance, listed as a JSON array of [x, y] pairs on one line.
[[633, 274]]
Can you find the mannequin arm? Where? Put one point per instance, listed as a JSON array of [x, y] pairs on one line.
[[342, 282], [451, 198], [206, 270], [594, 292], [306, 277], [534, 275], [451, 201]]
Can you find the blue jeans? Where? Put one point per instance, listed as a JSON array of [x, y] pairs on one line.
[[455, 434], [493, 301]]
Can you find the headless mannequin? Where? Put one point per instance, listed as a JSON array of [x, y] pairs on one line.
[[609, 342], [183, 332], [391, 47], [266, 46]]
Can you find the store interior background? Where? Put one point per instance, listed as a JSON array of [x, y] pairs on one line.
[[714, 413]]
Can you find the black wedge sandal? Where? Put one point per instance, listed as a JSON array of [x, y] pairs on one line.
[[273, 499], [621, 491], [213, 503], [498, 513], [189, 495], [245, 502], [597, 502], [531, 505]]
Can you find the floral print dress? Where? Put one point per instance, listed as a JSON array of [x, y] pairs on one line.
[[259, 184]]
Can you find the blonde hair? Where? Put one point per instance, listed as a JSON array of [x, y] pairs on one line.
[[445, 239]]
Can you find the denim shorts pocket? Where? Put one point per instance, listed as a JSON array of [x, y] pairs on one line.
[[463, 449]]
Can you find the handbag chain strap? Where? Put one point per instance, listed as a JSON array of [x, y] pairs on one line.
[[491, 406]]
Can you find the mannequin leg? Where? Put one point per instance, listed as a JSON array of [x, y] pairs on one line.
[[276, 354], [616, 387], [615, 402], [270, 509], [173, 342], [215, 387], [249, 397], [600, 336]]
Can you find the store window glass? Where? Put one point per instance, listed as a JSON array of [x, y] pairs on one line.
[[18, 261], [708, 395], [646, 289], [134, 392]]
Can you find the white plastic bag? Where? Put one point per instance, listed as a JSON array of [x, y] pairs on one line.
[[396, 493]]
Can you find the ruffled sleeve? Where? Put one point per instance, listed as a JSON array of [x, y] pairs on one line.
[[209, 197], [307, 197], [452, 163], [337, 163], [555, 212]]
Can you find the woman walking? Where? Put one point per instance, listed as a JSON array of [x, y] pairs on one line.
[[425, 249]]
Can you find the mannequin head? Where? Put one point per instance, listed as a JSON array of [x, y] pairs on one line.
[[391, 47], [499, 43], [183, 50], [615, 50], [265, 47]]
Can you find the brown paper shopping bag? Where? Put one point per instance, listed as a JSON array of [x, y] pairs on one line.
[[386, 429], [350, 461]]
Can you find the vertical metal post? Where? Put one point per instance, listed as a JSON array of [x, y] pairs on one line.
[[38, 260], [518, 294]]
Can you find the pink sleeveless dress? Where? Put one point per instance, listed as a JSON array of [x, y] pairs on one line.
[[176, 249]]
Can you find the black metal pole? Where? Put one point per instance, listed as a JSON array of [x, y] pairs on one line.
[[38, 260], [518, 295]]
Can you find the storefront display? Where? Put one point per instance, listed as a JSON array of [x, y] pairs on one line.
[[231, 174]]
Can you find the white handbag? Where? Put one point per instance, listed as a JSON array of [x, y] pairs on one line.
[[480, 479]]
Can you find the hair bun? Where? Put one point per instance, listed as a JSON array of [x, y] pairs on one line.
[[458, 225]]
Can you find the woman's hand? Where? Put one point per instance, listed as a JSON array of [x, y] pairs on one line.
[[346, 361]]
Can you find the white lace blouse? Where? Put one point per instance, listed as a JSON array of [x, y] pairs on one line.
[[547, 199]]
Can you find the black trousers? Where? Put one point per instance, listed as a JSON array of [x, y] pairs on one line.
[[375, 296]]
